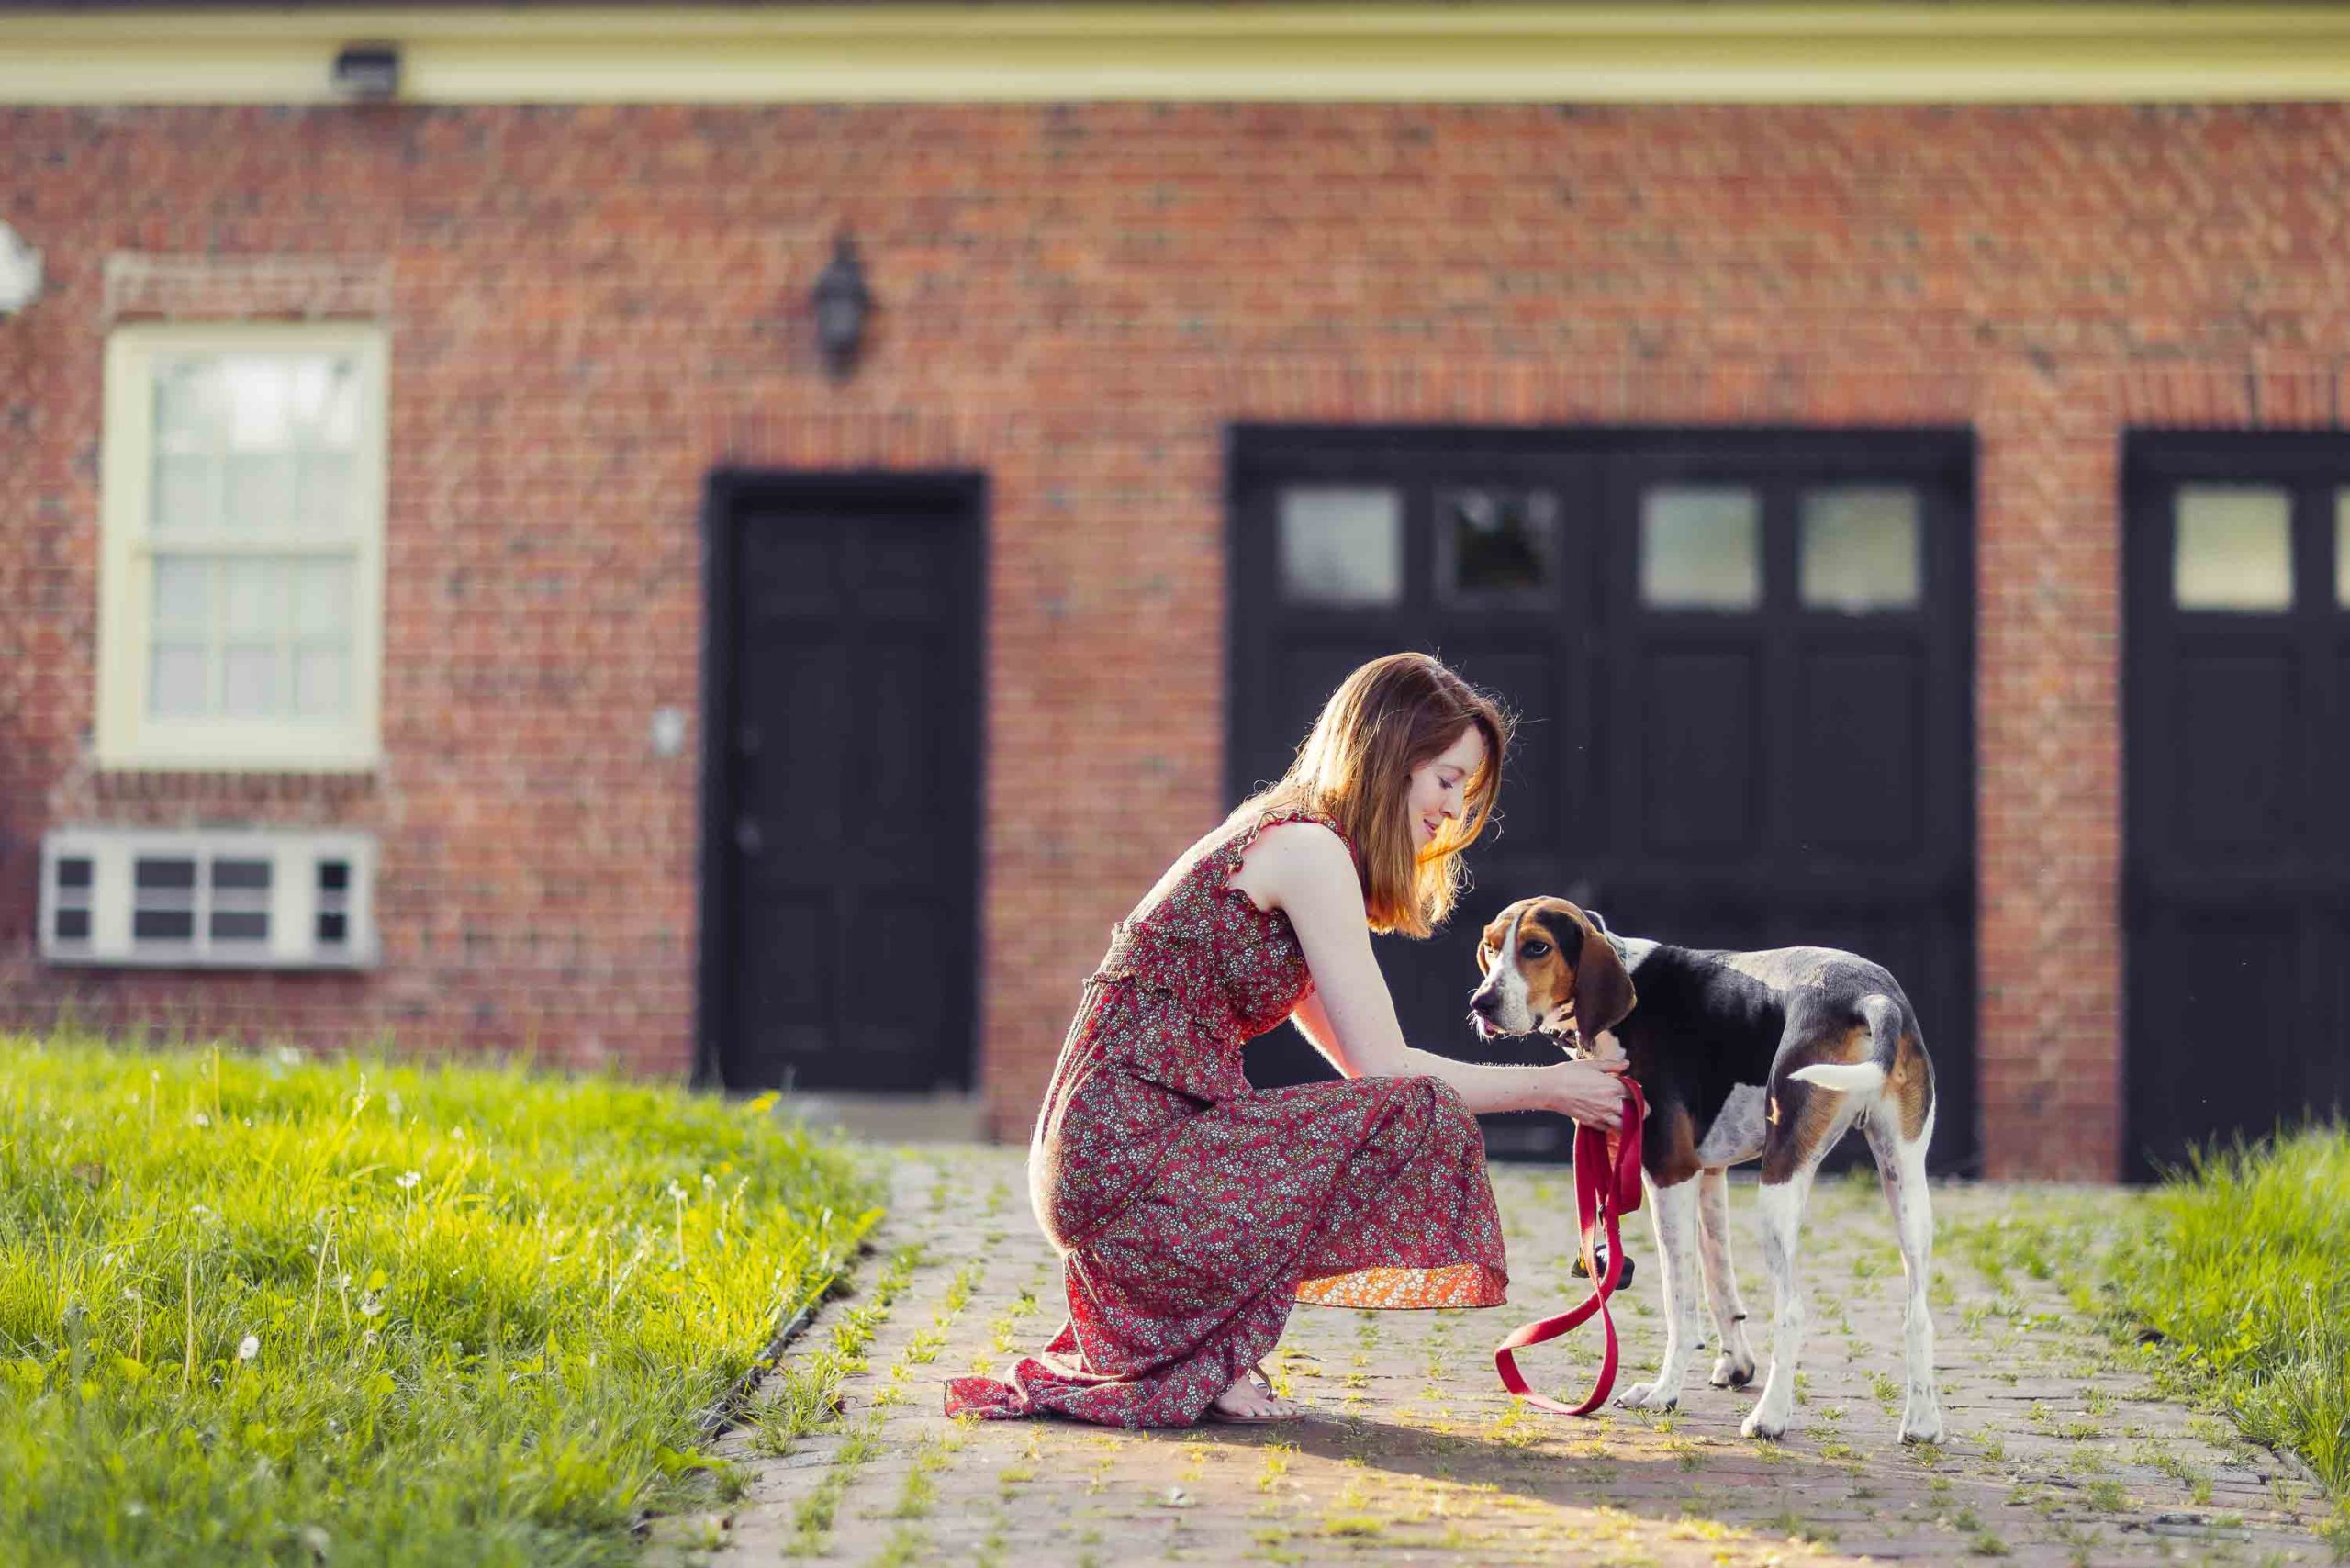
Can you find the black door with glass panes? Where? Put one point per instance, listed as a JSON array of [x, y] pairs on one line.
[[2236, 820], [1742, 663], [841, 780]]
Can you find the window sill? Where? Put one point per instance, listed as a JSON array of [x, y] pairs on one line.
[[242, 762], [352, 963]]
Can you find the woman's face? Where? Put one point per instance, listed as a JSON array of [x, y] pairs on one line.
[[1439, 788]]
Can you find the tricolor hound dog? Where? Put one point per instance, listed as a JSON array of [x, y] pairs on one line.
[[1772, 1055]]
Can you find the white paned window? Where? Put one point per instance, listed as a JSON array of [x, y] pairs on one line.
[[240, 619]]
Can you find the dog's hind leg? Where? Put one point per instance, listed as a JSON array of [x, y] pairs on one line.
[[1673, 1212], [1901, 1166], [1781, 1203], [1734, 1368]]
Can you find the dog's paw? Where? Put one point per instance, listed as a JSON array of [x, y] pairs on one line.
[[1921, 1427], [1648, 1397], [1733, 1371], [1760, 1423]]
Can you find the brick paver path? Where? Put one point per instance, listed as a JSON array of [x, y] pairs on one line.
[[2059, 1451]]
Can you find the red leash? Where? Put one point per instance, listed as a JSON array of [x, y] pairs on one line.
[[1602, 1194]]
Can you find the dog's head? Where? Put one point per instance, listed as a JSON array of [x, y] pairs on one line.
[[1548, 965]]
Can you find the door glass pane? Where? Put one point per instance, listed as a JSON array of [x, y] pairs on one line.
[[1497, 545], [1341, 546], [1701, 547], [1860, 548], [2235, 548], [2342, 548]]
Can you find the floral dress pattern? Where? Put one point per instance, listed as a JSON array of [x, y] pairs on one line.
[[1191, 1210]]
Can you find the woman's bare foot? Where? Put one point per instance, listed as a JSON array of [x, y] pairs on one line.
[[1249, 1400]]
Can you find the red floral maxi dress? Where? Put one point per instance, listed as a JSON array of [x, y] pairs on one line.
[[1192, 1210]]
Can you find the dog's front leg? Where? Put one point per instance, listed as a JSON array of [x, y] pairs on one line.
[[1782, 1205], [1672, 1212], [1734, 1368]]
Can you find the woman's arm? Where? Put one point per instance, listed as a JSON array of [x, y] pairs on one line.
[[1305, 869], [1581, 1089]]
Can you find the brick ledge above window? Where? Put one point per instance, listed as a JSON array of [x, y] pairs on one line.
[[145, 286]]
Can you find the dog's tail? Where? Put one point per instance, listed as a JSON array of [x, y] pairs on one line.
[[1883, 1015], [1855, 1076]]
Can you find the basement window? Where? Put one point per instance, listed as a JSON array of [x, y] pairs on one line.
[[225, 898]]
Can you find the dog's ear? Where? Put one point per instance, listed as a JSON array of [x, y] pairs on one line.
[[1604, 994], [1488, 945]]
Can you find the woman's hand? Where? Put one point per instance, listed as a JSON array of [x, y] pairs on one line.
[[1588, 1091]]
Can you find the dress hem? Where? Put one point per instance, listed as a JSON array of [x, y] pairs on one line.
[[1397, 1289]]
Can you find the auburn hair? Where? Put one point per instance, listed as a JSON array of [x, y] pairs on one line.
[[1389, 717]]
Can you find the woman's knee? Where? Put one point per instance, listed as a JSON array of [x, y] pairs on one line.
[[1432, 1110], [1446, 1104]]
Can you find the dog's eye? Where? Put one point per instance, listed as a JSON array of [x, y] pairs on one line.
[[1534, 949]]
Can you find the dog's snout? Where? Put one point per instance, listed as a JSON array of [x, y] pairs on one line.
[[1486, 1003]]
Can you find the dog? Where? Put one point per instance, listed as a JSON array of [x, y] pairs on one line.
[[1769, 1055]]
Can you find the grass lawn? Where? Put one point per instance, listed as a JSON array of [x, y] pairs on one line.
[[265, 1309], [2243, 1263]]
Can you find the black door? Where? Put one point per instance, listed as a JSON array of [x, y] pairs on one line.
[[1741, 660], [841, 780], [2236, 555]]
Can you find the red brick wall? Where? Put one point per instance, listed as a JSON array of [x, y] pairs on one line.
[[589, 308]]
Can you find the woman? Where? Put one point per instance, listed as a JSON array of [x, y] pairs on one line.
[[1191, 1210]]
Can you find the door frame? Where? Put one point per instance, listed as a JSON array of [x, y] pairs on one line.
[[959, 493], [1946, 455], [2152, 461]]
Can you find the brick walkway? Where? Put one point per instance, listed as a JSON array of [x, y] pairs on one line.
[[2058, 1452]]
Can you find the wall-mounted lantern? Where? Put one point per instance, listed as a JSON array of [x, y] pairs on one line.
[[19, 272], [842, 304]]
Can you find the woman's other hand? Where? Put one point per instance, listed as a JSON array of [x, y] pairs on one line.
[[1588, 1091]]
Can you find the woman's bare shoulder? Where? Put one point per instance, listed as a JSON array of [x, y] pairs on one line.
[[1304, 840], [1287, 862]]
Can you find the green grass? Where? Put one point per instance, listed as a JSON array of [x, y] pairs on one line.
[[803, 1393], [2239, 1263], [262, 1309]]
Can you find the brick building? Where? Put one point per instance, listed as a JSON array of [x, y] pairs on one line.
[[448, 592]]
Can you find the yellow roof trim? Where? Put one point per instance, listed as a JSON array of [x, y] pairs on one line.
[[1479, 51]]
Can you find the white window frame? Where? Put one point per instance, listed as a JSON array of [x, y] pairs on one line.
[[127, 736]]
